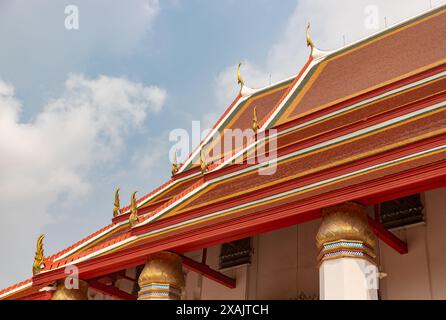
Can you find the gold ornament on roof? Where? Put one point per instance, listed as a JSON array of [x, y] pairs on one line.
[[133, 219], [239, 76], [203, 164], [174, 163], [116, 208], [255, 122], [38, 264], [309, 41]]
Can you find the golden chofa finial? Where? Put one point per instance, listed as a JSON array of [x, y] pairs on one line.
[[255, 122], [133, 219], [174, 163], [116, 208], [38, 264], [239, 76], [203, 164], [309, 41]]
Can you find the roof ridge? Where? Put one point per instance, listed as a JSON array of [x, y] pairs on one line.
[[15, 286], [394, 26]]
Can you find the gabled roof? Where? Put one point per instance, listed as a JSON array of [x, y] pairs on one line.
[[396, 53]]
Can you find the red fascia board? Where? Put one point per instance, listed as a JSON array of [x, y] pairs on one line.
[[418, 180], [186, 173], [44, 295]]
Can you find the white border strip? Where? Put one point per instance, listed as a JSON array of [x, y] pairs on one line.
[[103, 233], [8, 293], [312, 64]]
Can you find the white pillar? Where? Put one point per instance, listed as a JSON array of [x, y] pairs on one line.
[[347, 268]]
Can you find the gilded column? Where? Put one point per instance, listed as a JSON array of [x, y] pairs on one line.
[[64, 293], [346, 246], [162, 277]]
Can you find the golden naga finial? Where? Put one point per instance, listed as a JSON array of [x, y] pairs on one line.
[[116, 209], [174, 163], [133, 219], [38, 264], [255, 122], [203, 164], [309, 41], [239, 76]]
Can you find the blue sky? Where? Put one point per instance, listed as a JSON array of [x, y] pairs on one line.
[[84, 111]]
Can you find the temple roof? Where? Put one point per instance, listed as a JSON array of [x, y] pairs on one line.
[[372, 109], [407, 48]]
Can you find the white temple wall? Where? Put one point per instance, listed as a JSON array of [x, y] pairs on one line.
[[420, 274], [283, 266]]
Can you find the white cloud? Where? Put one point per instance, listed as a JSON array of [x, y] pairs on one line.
[[53, 155], [154, 159], [224, 83], [40, 51], [331, 21]]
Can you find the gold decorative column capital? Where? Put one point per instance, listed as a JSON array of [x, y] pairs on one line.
[[345, 231], [63, 293], [162, 277], [133, 218]]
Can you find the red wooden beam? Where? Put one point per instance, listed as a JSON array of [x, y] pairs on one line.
[[112, 291], [204, 255], [388, 237], [208, 272]]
